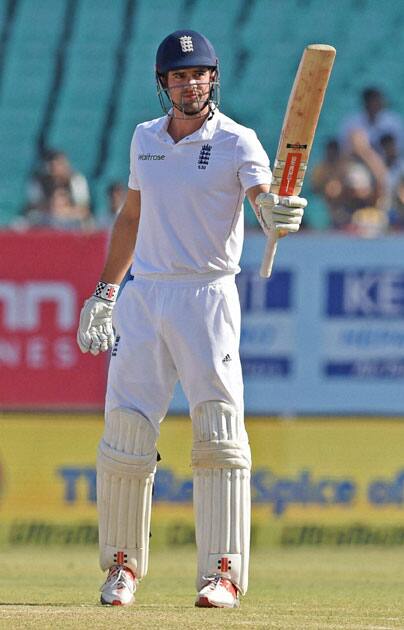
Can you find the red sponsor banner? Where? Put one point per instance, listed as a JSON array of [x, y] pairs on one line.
[[45, 276], [290, 173]]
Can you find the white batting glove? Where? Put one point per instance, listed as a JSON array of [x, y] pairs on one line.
[[95, 332], [280, 213]]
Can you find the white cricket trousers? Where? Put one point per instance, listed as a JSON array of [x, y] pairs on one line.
[[175, 329]]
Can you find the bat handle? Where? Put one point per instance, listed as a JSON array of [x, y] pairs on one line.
[[270, 251]]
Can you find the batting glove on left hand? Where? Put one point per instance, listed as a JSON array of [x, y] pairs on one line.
[[280, 213], [95, 332]]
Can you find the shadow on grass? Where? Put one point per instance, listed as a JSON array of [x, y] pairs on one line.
[[50, 604], [137, 606]]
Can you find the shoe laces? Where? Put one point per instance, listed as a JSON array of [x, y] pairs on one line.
[[213, 579], [119, 577]]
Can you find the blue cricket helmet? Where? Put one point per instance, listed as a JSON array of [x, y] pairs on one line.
[[185, 49]]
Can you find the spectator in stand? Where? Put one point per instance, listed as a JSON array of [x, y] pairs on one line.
[[116, 195], [397, 212], [375, 120], [56, 172], [366, 219], [359, 188], [346, 185], [59, 213], [361, 135], [369, 222], [327, 180], [395, 179]]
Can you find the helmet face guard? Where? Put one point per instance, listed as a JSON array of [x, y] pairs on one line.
[[168, 105], [186, 49]]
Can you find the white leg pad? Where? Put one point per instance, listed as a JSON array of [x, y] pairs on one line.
[[126, 464], [221, 460]]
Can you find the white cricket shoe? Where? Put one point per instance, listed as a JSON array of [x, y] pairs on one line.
[[119, 587], [218, 593]]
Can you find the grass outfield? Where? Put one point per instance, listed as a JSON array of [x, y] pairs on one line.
[[303, 589]]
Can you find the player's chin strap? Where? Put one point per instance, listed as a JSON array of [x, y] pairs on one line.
[[168, 105], [197, 114], [180, 108]]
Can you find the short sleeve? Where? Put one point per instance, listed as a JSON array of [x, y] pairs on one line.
[[252, 161], [133, 180]]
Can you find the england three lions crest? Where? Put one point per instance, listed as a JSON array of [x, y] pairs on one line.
[[186, 43], [204, 155]]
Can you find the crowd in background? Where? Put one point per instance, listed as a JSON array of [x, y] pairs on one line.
[[360, 180], [59, 197], [361, 176]]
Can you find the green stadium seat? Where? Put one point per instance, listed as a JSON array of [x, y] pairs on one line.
[[117, 165], [11, 205], [35, 75], [152, 21], [90, 58], [78, 135], [78, 120], [18, 126], [16, 159], [80, 93], [81, 155], [99, 197], [39, 21], [215, 20], [88, 75], [138, 99], [16, 162], [29, 91], [32, 51], [316, 216], [258, 54], [99, 20]]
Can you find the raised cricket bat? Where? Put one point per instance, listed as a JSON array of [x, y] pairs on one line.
[[298, 129]]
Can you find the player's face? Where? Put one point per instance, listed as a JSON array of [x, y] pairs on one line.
[[189, 89]]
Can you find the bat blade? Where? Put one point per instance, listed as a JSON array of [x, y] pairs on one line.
[[298, 129]]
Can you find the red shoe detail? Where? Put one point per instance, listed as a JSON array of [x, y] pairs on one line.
[[119, 587], [229, 586], [130, 571], [203, 602]]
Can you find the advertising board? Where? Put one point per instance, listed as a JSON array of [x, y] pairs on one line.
[[45, 277], [313, 481], [325, 335]]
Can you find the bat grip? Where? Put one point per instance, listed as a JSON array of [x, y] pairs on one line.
[[270, 251]]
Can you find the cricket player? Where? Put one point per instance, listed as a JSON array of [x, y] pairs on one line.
[[181, 227]]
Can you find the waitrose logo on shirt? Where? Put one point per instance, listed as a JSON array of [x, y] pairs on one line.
[[150, 156]]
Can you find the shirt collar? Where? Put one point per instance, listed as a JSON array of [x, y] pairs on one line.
[[205, 132], [161, 126]]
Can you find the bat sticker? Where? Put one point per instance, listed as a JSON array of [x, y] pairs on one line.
[[296, 146]]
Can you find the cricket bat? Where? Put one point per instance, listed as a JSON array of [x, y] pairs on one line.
[[298, 129]]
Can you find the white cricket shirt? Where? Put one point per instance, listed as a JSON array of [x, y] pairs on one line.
[[192, 193]]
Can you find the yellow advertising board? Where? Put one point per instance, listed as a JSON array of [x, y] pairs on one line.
[[314, 481]]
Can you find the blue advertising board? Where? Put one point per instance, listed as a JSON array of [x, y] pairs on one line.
[[325, 334]]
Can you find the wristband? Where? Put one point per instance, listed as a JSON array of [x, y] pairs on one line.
[[106, 291]]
